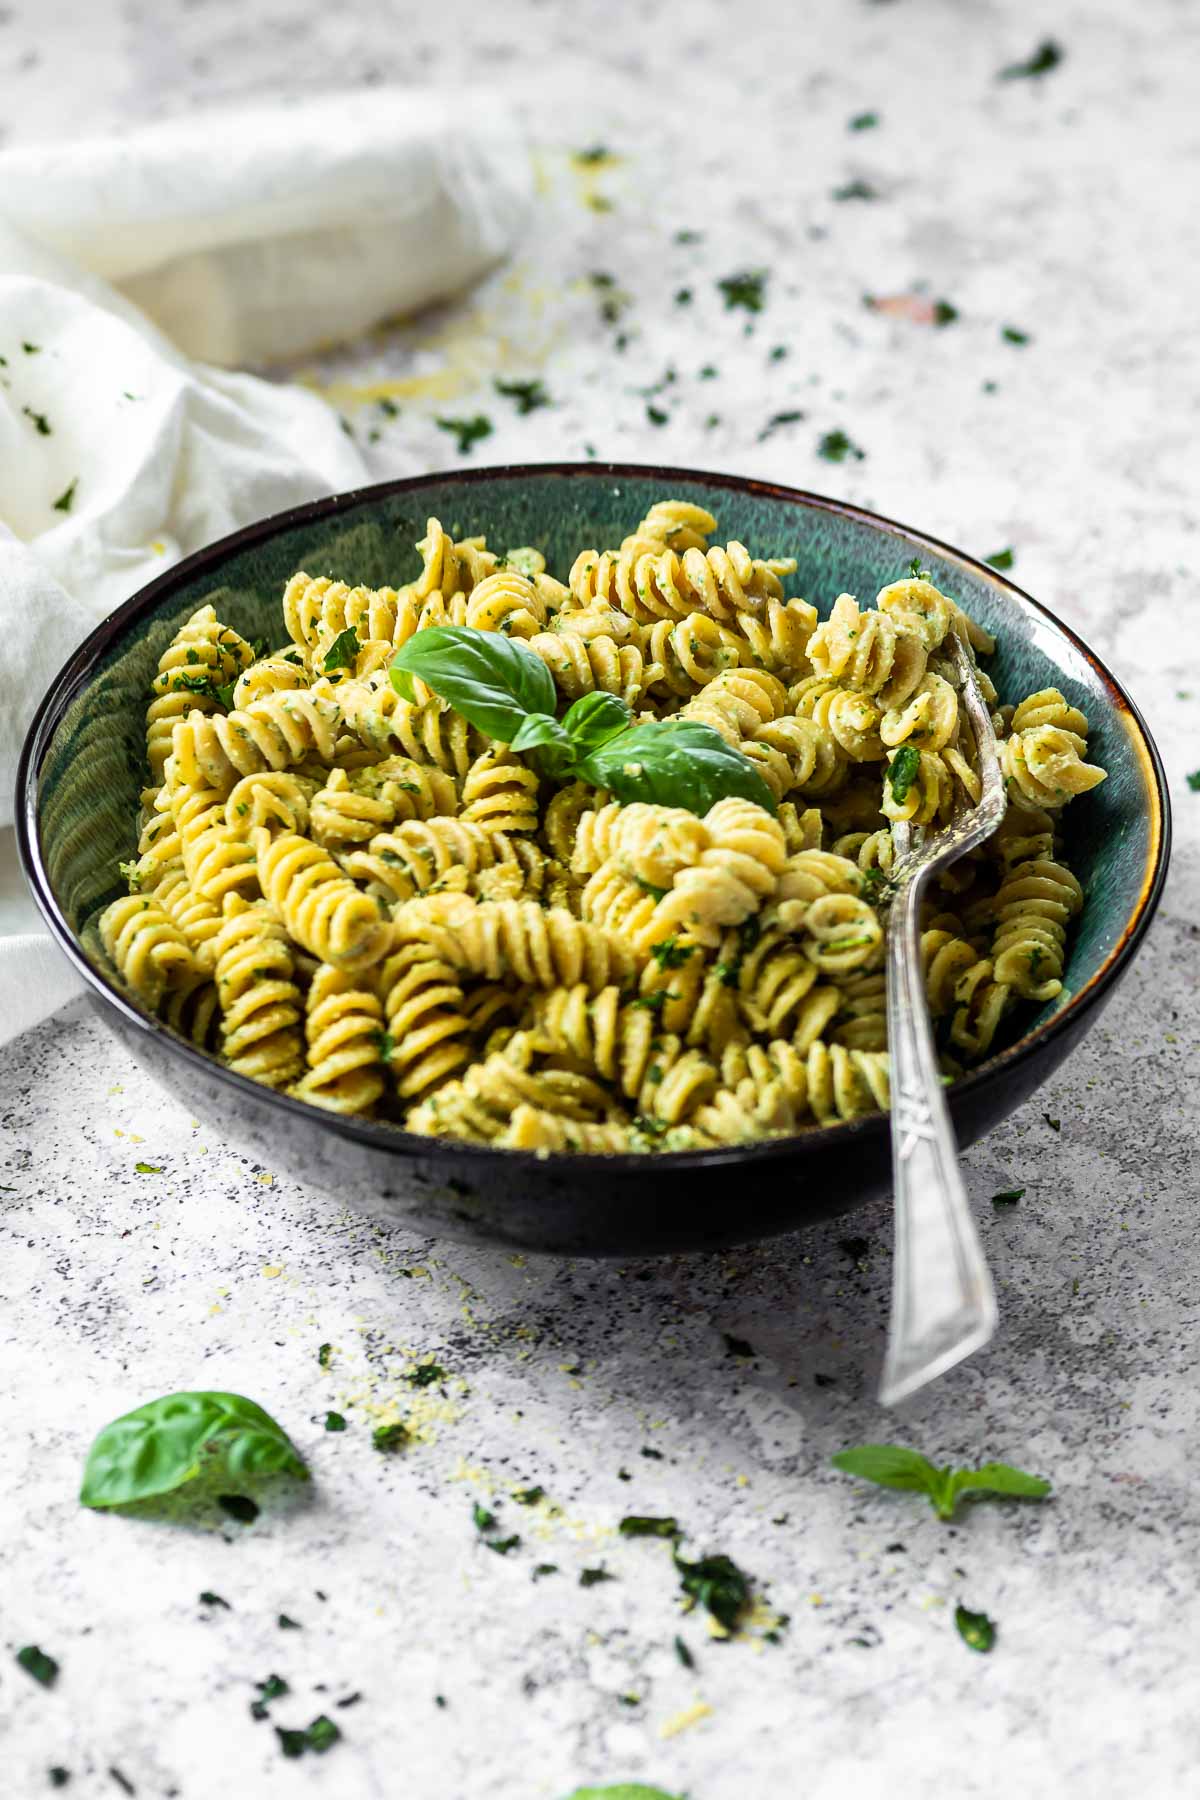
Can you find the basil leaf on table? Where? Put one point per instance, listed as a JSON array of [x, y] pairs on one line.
[[493, 681], [165, 1443], [894, 1466], [669, 764], [624, 1790]]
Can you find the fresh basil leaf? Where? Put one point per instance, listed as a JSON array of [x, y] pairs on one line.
[[890, 1465], [594, 719], [685, 764], [1000, 1478], [492, 680], [342, 652], [975, 1629], [624, 1790], [163, 1444], [548, 742]]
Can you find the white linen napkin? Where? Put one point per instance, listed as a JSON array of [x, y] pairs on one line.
[[244, 235]]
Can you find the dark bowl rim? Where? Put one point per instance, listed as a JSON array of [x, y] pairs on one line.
[[73, 675]]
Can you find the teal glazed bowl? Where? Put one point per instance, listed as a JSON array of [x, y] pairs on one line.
[[83, 766]]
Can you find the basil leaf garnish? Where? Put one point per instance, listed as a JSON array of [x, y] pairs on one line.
[[550, 743], [165, 1443], [669, 764], [593, 719], [493, 681], [894, 1466], [508, 693]]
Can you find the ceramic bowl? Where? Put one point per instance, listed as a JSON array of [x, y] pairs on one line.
[[83, 766]]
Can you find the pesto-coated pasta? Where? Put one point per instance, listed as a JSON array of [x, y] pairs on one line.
[[363, 900]]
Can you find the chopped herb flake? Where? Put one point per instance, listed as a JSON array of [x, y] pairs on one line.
[[35, 1662], [1011, 335], [284, 1623], [1008, 1196], [323, 1355], [484, 1520], [778, 419], [736, 1346], [684, 1654], [656, 415], [1193, 781], [390, 1437], [1047, 56], [596, 153], [903, 771], [835, 446], [342, 652], [855, 190], [639, 1525], [425, 1375], [40, 421], [529, 1496], [541, 1569], [502, 1546], [529, 395], [66, 499], [589, 1577], [944, 313], [334, 1421], [1001, 559], [208, 1598], [717, 1584], [148, 1168], [683, 296], [864, 121], [975, 1629], [466, 431], [746, 289]]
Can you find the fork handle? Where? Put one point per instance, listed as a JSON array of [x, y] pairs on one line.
[[943, 1301]]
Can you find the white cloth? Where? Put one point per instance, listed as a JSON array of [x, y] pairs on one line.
[[244, 234]]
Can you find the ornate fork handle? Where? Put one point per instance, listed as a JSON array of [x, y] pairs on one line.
[[943, 1301]]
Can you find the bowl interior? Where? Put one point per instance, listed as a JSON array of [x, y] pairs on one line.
[[94, 766]]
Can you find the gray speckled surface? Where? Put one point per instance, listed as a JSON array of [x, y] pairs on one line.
[[1066, 208]]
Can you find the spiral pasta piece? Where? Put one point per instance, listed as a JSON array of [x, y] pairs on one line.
[[582, 664], [261, 1008], [421, 854], [321, 908], [542, 947], [270, 675], [1032, 910], [508, 602], [345, 1041], [500, 793], [427, 733], [148, 951], [1044, 768], [275, 733], [204, 655], [650, 844], [624, 1045], [449, 568]]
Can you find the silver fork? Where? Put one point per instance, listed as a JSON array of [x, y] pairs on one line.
[[943, 1300]]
